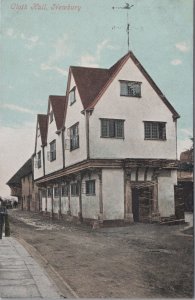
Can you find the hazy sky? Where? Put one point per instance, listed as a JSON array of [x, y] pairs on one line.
[[39, 45]]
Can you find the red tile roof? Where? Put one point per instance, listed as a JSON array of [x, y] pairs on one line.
[[92, 82], [58, 107], [42, 121]]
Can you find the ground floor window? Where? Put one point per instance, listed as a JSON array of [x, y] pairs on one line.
[[56, 192], [90, 187], [75, 189], [49, 192], [64, 190]]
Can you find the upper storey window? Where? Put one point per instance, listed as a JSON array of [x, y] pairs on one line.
[[130, 88], [72, 95], [74, 137], [155, 130], [51, 116], [38, 131], [112, 128]]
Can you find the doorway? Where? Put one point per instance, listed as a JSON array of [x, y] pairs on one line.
[[142, 199]]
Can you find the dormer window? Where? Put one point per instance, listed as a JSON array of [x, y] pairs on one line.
[[51, 116], [130, 88], [72, 95]]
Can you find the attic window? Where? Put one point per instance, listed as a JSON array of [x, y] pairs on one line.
[[130, 88], [72, 95], [51, 116]]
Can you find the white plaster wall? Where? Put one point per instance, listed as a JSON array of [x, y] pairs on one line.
[[134, 111], [113, 194], [64, 205], [90, 204], [49, 205], [73, 116], [166, 202], [74, 206], [38, 172], [52, 166]]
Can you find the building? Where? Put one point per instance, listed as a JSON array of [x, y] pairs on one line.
[[22, 186], [186, 178], [107, 150]]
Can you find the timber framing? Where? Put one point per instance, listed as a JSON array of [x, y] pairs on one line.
[[91, 164]]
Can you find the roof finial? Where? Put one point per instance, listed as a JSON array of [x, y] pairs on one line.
[[127, 6]]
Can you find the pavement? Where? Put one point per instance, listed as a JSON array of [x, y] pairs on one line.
[[21, 277]]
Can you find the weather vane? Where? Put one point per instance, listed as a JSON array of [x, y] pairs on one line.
[[127, 6]]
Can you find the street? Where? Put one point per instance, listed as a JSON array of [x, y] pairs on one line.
[[138, 261]]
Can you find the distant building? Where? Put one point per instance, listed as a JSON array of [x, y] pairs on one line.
[[22, 186], [186, 178]]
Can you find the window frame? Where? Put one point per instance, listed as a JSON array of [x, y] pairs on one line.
[[74, 138], [90, 190], [49, 192], [112, 124], [66, 190], [39, 159], [72, 92], [74, 189], [130, 82], [51, 116], [52, 152], [56, 192], [157, 128]]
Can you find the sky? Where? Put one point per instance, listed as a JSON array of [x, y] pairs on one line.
[[41, 39]]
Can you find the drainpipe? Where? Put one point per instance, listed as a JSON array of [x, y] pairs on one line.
[[87, 114], [63, 147], [176, 137], [43, 147]]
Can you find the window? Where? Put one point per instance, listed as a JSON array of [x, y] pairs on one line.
[[112, 128], [49, 192], [90, 187], [65, 191], [74, 189], [74, 137], [155, 130], [56, 192], [53, 150], [51, 116], [130, 88], [39, 159], [38, 131], [72, 96]]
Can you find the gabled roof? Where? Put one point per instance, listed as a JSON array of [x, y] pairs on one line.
[[58, 107], [89, 82], [42, 120], [93, 82], [25, 170]]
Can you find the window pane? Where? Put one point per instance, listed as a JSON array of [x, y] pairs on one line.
[[119, 128], [130, 88], [111, 128], [90, 187], [104, 127], [147, 130], [74, 137], [124, 91], [155, 131]]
